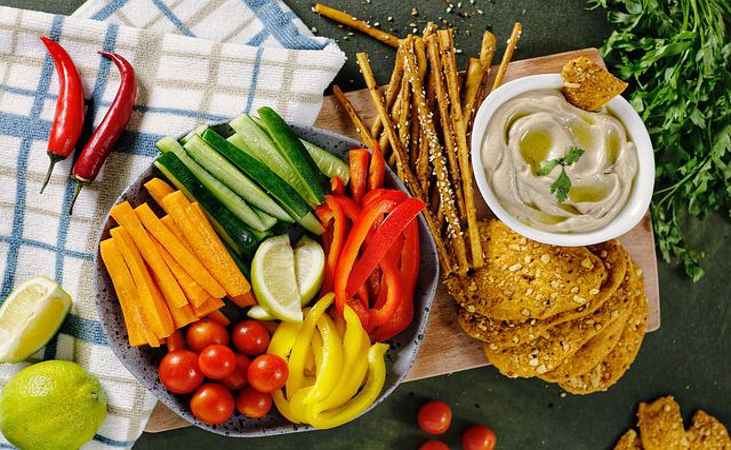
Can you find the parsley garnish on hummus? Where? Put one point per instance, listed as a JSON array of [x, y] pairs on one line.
[[560, 188]]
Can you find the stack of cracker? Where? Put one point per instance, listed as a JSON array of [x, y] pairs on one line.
[[575, 316], [661, 428]]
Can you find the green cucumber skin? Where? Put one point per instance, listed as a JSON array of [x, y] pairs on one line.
[[254, 140], [274, 185], [235, 232], [218, 166], [294, 152], [329, 164], [227, 197]]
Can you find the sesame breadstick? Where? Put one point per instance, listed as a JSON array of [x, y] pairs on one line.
[[447, 47], [508, 55], [392, 90], [409, 178], [348, 20], [448, 131], [360, 127], [436, 153]]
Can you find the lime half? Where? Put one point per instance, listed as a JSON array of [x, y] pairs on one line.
[[274, 281], [30, 316], [309, 267]]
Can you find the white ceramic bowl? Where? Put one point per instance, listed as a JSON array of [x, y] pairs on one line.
[[640, 195]]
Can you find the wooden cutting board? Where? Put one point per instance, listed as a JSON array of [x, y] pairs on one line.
[[445, 348]]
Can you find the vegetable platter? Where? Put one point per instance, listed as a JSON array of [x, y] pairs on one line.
[[261, 216]]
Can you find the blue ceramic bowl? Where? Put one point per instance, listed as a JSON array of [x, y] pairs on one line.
[[142, 362]]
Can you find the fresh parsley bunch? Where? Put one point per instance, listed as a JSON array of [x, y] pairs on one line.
[[676, 54]]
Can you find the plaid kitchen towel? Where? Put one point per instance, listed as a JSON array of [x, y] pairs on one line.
[[196, 61]]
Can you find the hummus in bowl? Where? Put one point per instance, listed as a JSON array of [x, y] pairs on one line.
[[556, 173]]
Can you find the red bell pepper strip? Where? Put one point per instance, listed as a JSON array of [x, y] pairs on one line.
[[404, 313], [349, 207], [358, 164], [99, 145], [349, 254], [394, 295], [68, 120], [337, 186], [377, 194], [336, 243], [384, 238], [377, 169]]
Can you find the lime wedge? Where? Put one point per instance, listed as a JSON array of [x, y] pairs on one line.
[[259, 313], [309, 267], [30, 316], [274, 281]]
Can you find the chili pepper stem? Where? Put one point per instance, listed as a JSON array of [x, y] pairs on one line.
[[54, 159], [77, 191]]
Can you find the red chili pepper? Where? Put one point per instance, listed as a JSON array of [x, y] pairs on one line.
[[377, 169], [349, 254], [410, 261], [337, 186], [383, 239], [96, 150], [358, 164], [68, 119]]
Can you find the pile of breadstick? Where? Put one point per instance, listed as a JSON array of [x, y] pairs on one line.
[[424, 119]]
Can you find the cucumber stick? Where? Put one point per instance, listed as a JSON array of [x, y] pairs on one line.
[[233, 231], [218, 189], [294, 152], [288, 198], [228, 174], [255, 141], [329, 164]]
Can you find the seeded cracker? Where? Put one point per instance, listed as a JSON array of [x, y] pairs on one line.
[[618, 361], [588, 85], [524, 279], [661, 425], [707, 433], [504, 334], [546, 353], [629, 441], [591, 354]]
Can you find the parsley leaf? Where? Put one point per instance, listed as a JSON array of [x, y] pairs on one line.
[[675, 55], [561, 186]]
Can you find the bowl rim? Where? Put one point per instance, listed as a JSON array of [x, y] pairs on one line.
[[641, 192], [429, 291]]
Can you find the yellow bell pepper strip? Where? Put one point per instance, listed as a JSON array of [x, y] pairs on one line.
[[329, 363], [298, 358], [284, 338], [355, 346], [364, 399], [281, 345], [314, 358]]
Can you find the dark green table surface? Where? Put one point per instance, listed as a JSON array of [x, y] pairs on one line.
[[689, 357]]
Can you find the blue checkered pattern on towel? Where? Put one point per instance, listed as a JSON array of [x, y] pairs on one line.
[[196, 73]]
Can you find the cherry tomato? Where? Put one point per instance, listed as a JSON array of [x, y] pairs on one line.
[[203, 333], [434, 445], [179, 372], [254, 404], [434, 417], [217, 361], [212, 403], [237, 379], [250, 337], [267, 373], [478, 437]]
